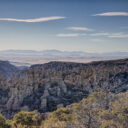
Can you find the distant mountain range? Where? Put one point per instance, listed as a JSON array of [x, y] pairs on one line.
[[29, 57]]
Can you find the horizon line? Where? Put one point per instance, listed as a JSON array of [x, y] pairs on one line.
[[61, 50]]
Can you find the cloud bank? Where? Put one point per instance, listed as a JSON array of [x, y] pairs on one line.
[[42, 19], [79, 29], [112, 14]]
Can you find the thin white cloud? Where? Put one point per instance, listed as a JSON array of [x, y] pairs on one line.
[[107, 35], [112, 14], [80, 29], [110, 35], [42, 19], [100, 34], [68, 35], [118, 35]]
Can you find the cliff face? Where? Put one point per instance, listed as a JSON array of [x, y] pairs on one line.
[[56, 84], [6, 70], [3, 93]]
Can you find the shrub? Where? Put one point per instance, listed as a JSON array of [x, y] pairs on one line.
[[3, 123], [25, 119]]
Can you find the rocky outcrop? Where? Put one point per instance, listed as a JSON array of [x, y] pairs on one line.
[[3, 95], [6, 70], [56, 84]]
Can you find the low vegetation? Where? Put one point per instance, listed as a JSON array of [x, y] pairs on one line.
[[3, 122], [99, 110]]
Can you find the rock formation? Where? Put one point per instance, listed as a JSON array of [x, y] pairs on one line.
[[49, 86]]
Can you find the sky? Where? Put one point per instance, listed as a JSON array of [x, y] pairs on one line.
[[67, 25]]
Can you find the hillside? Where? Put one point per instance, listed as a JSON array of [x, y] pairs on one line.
[[6, 69], [48, 86], [98, 110]]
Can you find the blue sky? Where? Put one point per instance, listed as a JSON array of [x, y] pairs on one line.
[[71, 25]]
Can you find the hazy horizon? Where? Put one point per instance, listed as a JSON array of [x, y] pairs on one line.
[[61, 50]]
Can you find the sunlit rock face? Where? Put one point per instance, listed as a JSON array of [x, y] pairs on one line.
[[49, 86]]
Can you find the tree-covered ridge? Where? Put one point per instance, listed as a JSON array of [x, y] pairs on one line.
[[48, 86], [99, 110]]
